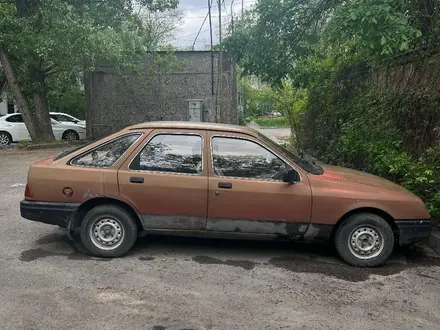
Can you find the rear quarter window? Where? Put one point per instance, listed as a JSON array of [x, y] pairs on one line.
[[107, 154]]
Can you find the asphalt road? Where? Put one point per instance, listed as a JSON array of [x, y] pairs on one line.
[[46, 282], [278, 134]]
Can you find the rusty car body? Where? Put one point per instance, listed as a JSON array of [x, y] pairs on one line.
[[216, 180]]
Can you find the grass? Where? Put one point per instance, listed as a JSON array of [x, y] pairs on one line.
[[272, 122]]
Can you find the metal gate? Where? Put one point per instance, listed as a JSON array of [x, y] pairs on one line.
[[195, 110]]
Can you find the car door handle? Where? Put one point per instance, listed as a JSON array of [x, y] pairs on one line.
[[135, 179], [225, 185]]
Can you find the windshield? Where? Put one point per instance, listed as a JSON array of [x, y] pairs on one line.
[[301, 162]]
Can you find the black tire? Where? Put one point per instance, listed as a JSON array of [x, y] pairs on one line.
[[369, 228], [5, 139], [108, 215], [70, 135]]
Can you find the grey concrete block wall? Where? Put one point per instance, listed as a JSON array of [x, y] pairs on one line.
[[116, 100]]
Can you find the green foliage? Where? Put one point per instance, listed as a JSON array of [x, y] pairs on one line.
[[373, 27], [272, 122], [51, 41], [257, 101], [357, 80]]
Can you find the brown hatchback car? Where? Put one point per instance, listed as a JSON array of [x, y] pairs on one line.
[[200, 179]]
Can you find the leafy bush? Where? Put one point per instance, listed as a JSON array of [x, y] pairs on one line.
[[361, 130]]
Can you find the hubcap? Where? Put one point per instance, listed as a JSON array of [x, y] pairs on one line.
[[70, 136], [4, 140], [107, 234], [366, 242]]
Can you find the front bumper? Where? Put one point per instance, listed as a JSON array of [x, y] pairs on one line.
[[411, 231], [52, 213]]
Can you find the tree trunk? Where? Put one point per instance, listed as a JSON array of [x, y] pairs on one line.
[[22, 102], [43, 118], [41, 111]]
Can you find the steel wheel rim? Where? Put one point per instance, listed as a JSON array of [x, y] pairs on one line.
[[4, 139], [70, 136], [366, 242], [107, 233]]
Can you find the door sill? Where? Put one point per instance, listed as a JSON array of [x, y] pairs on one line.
[[214, 234]]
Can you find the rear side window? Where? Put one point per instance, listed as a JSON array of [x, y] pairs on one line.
[[171, 153], [15, 119], [107, 154]]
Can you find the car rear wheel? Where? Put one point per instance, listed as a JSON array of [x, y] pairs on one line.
[[70, 135], [364, 240], [108, 231], [5, 139]]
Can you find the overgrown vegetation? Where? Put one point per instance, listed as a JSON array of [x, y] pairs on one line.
[[358, 80]]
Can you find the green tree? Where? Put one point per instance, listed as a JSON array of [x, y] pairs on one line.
[[276, 35], [40, 39]]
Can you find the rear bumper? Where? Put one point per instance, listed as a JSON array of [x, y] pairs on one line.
[[413, 230], [51, 213]]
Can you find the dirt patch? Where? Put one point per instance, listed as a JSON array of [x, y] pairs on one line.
[[414, 257], [246, 264]]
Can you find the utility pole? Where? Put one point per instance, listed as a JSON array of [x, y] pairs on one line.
[[220, 60], [232, 16], [212, 53], [242, 10]]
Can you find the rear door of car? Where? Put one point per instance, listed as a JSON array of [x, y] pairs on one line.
[[17, 127], [246, 192], [166, 180]]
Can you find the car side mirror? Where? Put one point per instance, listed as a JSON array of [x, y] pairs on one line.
[[291, 176]]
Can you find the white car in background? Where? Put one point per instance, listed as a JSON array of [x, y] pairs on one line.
[[65, 118], [13, 129]]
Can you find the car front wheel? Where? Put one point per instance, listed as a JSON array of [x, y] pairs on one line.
[[70, 136], [108, 231], [364, 240]]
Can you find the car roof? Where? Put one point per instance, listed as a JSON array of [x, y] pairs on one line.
[[193, 125]]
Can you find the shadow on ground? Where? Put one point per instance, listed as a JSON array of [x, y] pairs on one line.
[[293, 257]]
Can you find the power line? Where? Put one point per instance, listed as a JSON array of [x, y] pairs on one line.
[[245, 1], [198, 33], [192, 34]]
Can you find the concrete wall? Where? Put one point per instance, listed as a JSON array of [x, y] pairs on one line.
[[3, 108], [116, 100]]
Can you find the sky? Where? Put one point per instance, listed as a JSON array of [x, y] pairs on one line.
[[194, 12]]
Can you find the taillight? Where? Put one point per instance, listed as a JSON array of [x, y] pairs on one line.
[[28, 192]]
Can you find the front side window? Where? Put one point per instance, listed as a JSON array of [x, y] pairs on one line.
[[66, 119], [171, 153], [107, 154], [240, 158]]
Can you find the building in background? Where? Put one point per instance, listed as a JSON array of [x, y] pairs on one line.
[[6, 106], [189, 93]]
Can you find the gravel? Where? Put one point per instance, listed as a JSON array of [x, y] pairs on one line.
[[47, 282]]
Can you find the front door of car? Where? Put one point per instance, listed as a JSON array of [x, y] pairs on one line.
[[57, 129], [246, 193], [166, 180]]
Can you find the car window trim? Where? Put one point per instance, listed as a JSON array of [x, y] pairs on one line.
[[103, 144], [170, 173], [256, 142]]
